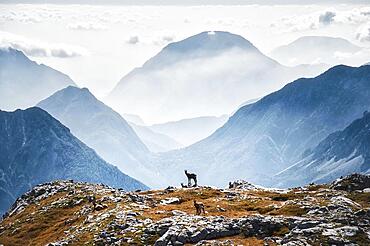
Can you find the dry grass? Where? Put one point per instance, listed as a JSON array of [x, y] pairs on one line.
[[317, 187], [289, 210], [40, 228], [362, 198], [255, 202], [37, 228]]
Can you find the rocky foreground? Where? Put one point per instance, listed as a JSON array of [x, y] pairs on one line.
[[74, 213]]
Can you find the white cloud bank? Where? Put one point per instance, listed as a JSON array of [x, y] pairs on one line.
[[40, 49], [136, 33], [313, 21], [133, 40], [158, 40], [87, 26], [363, 33], [163, 39], [327, 17]]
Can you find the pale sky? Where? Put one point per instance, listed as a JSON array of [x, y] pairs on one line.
[[98, 44]]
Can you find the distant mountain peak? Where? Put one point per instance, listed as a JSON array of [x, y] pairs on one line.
[[204, 68], [80, 98], [9, 50], [24, 82], [100, 127], [75, 89], [72, 92], [204, 44], [8, 54], [333, 42], [210, 40], [317, 50]]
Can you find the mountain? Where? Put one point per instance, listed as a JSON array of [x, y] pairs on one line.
[[137, 120], [189, 131], [156, 142], [264, 138], [250, 101], [101, 128], [23, 82], [36, 148], [197, 76], [317, 49], [60, 213], [341, 153]]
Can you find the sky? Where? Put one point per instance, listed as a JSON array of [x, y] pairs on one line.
[[96, 45]]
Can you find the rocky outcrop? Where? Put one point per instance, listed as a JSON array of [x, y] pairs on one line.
[[77, 213], [352, 182], [242, 184]]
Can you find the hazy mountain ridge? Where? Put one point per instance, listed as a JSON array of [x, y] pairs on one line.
[[23, 82], [341, 153], [155, 141], [36, 148], [263, 138], [133, 118], [198, 75], [316, 49], [204, 44], [189, 131], [100, 127]]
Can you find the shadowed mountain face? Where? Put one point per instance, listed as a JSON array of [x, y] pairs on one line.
[[101, 128], [36, 148], [23, 82], [264, 138], [317, 49], [341, 153], [199, 75]]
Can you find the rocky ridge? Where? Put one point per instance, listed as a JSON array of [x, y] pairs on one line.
[[72, 213]]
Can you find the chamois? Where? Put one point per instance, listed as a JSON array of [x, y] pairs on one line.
[[199, 207], [191, 176], [92, 199]]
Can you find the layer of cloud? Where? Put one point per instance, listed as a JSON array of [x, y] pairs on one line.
[[363, 33], [40, 49], [327, 17], [312, 21], [133, 40], [87, 26], [163, 39], [156, 26], [158, 40]]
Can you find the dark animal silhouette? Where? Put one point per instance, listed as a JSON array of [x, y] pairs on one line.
[[184, 186], [199, 207], [191, 176], [92, 199]]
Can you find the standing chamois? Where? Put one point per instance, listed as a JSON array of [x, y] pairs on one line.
[[199, 207], [191, 176]]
